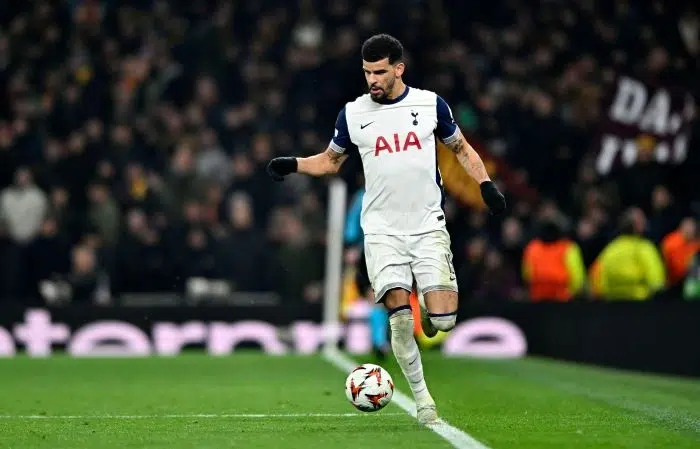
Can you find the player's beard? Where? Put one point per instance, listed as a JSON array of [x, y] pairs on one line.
[[383, 93]]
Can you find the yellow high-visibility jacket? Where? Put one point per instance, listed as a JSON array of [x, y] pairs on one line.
[[629, 268]]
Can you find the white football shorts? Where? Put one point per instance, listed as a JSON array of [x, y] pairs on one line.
[[394, 261]]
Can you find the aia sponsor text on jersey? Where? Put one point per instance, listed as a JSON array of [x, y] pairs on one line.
[[400, 143]]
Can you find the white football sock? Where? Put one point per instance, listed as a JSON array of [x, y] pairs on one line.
[[406, 351], [443, 321]]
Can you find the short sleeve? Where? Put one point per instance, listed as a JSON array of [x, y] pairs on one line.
[[341, 137], [446, 129]]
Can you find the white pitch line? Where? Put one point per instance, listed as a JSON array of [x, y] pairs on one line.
[[194, 416], [456, 437]]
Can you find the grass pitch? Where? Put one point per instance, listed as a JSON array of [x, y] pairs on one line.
[[255, 401]]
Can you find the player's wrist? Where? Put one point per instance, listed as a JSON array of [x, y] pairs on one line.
[[488, 187], [493, 198]]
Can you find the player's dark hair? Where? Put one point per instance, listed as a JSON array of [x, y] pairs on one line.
[[382, 46]]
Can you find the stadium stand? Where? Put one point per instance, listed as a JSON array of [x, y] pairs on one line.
[[134, 134]]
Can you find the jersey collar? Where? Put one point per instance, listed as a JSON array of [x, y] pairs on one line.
[[397, 99]]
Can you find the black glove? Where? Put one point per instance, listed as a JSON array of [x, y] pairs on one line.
[[492, 197], [280, 167]]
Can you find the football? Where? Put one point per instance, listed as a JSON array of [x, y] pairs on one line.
[[369, 387]]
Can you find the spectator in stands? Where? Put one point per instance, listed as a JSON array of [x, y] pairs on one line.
[[552, 265], [664, 214], [103, 214], [512, 241], [678, 249], [198, 258], [142, 261], [591, 240], [470, 270], [50, 255], [62, 209], [87, 282], [300, 261], [244, 255], [691, 288], [23, 207], [497, 282], [630, 267]]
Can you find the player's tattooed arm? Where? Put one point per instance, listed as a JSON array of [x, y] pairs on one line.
[[336, 159], [326, 163], [469, 158]]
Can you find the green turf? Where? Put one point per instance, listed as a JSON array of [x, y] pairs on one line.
[[529, 404], [542, 404]]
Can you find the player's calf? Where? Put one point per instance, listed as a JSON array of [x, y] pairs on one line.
[[425, 324], [442, 309], [405, 348]]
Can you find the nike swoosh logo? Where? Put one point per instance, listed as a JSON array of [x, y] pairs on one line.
[[365, 126]]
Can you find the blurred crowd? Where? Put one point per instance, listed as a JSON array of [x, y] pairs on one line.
[[134, 133]]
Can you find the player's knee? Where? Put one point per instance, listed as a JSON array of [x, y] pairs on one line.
[[395, 298], [444, 321]]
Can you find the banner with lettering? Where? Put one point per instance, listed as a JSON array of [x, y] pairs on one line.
[[614, 334], [643, 122]]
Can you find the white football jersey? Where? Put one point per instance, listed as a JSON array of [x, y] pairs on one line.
[[396, 141]]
